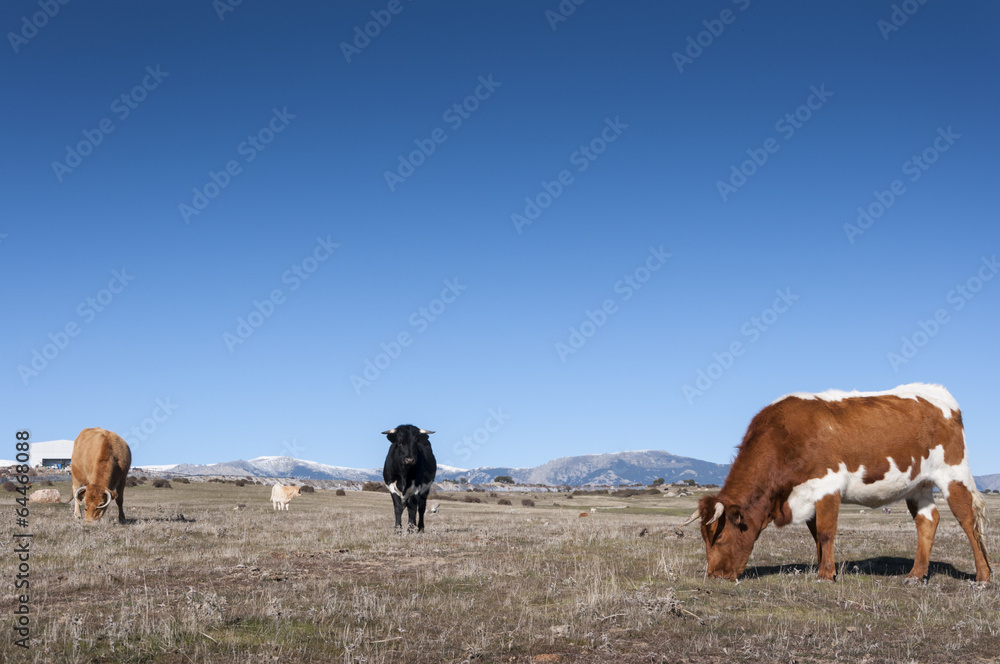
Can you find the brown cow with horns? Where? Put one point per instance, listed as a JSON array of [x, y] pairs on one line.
[[100, 464], [806, 453]]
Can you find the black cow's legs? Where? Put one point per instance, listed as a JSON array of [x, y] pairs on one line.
[[397, 504]]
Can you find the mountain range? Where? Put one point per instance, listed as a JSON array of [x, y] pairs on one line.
[[639, 467]]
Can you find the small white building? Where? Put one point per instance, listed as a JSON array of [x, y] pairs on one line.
[[53, 453]]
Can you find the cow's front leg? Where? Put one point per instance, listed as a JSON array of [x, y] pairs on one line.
[[824, 528], [397, 505], [411, 508]]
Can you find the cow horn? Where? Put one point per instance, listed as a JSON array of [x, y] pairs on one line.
[[107, 501], [78, 494], [719, 509], [425, 431], [694, 517], [386, 433]]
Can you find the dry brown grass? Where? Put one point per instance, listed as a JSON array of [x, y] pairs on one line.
[[191, 579]]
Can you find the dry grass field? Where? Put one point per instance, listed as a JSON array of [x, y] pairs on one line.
[[191, 579]]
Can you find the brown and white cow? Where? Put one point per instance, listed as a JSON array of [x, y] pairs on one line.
[[282, 495], [806, 453], [100, 464]]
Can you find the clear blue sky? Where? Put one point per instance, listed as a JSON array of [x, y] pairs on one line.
[[623, 133]]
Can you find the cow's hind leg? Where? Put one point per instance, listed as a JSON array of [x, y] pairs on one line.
[[925, 517], [970, 510], [421, 506], [823, 527]]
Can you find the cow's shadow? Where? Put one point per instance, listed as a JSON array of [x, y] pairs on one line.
[[878, 566]]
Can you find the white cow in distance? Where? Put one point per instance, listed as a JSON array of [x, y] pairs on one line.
[[281, 495]]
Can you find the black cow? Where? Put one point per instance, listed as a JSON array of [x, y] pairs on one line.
[[409, 472]]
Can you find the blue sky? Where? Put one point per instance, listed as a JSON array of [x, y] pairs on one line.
[[538, 231]]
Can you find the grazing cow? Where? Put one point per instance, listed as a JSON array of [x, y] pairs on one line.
[[282, 495], [45, 496], [100, 464], [409, 472], [806, 453]]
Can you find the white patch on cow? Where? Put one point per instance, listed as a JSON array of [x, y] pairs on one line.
[[896, 485], [935, 394], [412, 490]]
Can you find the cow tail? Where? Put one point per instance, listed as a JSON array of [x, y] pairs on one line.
[[979, 512]]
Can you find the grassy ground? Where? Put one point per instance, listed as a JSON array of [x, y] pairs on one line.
[[191, 579]]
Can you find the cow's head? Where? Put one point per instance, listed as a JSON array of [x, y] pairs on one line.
[[405, 439], [728, 537], [94, 499]]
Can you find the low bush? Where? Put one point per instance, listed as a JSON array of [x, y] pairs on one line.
[[374, 486], [503, 501], [473, 499], [527, 502], [182, 480], [161, 483], [341, 492], [305, 488]]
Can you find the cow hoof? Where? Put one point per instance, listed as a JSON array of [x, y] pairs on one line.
[[915, 581]]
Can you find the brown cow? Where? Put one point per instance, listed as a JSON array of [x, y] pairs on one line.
[[100, 464], [806, 453]]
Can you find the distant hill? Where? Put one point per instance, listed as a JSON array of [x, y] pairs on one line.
[[984, 482]]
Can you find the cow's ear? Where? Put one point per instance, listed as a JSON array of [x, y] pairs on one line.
[[733, 515]]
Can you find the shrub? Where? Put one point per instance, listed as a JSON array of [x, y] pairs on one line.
[[658, 481], [341, 492], [527, 502], [131, 481], [503, 501], [493, 494], [305, 488], [240, 482], [9, 486], [47, 483], [374, 486], [504, 479], [161, 483], [182, 480], [473, 499], [569, 496]]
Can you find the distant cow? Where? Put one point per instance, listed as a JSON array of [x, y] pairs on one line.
[[100, 464], [45, 496], [409, 472], [282, 495], [806, 453]]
